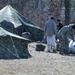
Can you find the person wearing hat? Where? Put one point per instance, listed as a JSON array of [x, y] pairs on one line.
[[50, 31], [59, 24], [66, 34]]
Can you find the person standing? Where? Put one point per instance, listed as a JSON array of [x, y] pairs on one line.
[[50, 30], [59, 24], [64, 35]]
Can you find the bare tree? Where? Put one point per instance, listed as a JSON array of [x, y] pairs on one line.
[[67, 11], [55, 8]]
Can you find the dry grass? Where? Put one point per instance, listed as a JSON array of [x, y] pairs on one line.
[[42, 63]]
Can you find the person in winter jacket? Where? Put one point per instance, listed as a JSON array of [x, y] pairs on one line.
[[59, 24], [50, 30], [64, 35]]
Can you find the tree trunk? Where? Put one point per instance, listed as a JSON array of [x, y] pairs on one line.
[[67, 11]]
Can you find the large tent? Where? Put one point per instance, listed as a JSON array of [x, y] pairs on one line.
[[12, 25], [12, 21], [12, 45]]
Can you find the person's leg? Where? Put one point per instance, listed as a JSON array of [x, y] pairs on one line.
[[48, 44], [48, 48], [53, 42], [66, 48], [61, 48]]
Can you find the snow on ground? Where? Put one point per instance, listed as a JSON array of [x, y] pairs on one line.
[[41, 63]]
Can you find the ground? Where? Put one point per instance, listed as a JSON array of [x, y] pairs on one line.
[[41, 63]]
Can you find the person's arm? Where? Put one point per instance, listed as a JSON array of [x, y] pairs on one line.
[[64, 32], [55, 28], [72, 37], [45, 28]]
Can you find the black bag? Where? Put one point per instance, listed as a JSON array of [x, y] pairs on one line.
[[40, 47]]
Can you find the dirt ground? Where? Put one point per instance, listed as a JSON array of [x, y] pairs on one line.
[[41, 63]]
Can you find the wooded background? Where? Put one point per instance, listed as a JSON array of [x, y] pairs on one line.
[[38, 11]]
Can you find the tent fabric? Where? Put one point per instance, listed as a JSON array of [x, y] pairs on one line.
[[12, 25], [11, 15], [13, 46], [3, 32], [12, 21]]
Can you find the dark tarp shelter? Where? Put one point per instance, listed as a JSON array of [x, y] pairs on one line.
[[12, 21], [12, 25], [12, 45]]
